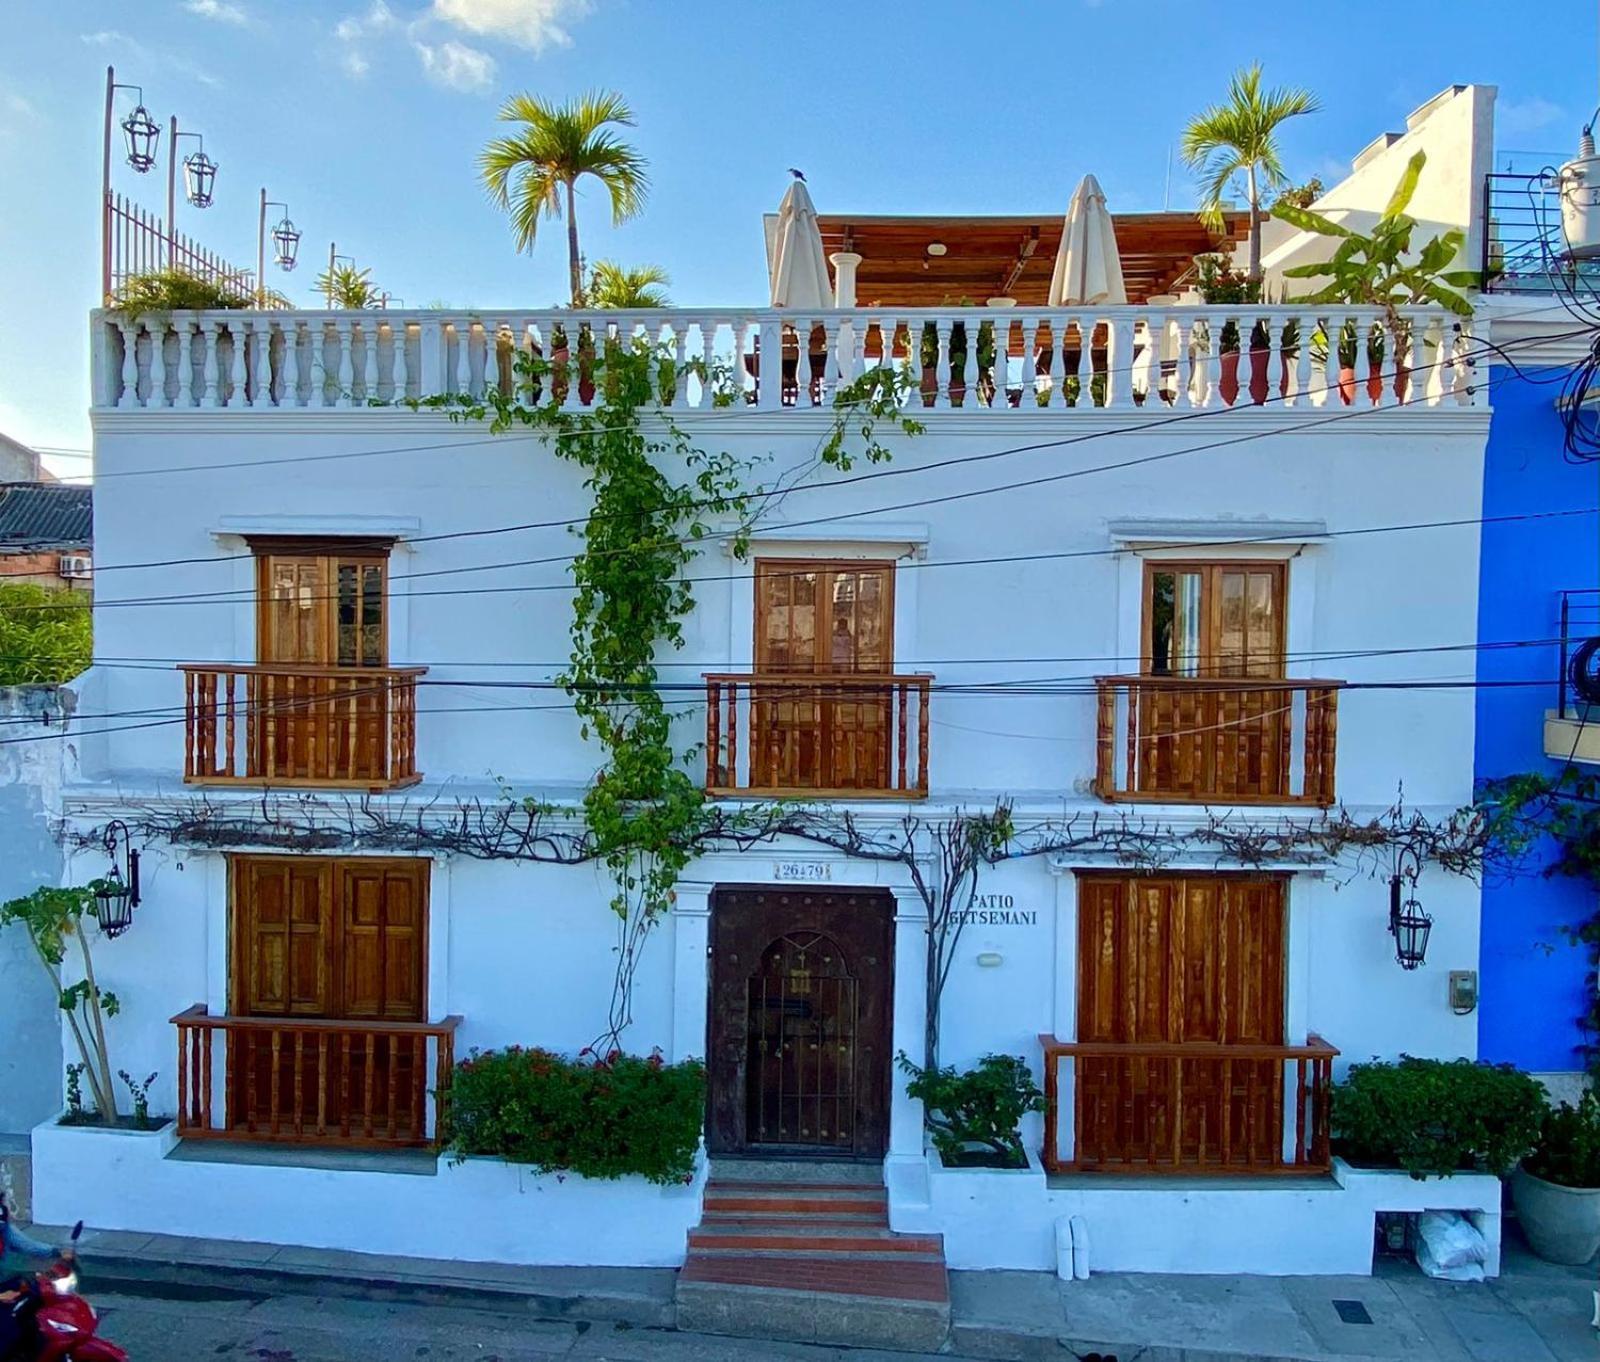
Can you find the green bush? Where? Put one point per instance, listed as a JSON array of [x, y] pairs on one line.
[[609, 1118], [1435, 1117], [977, 1112], [1568, 1151], [176, 291], [46, 634]]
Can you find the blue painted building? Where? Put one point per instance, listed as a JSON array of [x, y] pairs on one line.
[[1532, 980]]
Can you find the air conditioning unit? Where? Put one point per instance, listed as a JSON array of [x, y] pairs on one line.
[[76, 566]]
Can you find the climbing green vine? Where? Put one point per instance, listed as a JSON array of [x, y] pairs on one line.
[[654, 497]]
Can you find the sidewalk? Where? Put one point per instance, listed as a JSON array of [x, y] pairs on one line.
[[1535, 1312]]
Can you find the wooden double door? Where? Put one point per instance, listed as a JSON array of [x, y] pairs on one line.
[[821, 708], [327, 953], [1181, 1003], [800, 1021]]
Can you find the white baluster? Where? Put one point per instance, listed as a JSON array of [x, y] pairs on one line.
[[708, 358], [741, 348], [398, 365], [941, 364], [261, 363], [344, 338], [969, 363], [1406, 389], [680, 361], [185, 362], [317, 359], [1434, 379], [158, 366], [463, 385], [1461, 370], [1207, 356], [770, 352], [829, 383], [369, 365], [1045, 383], [291, 364], [1333, 379], [1270, 329], [236, 365], [1302, 363], [129, 396], [213, 338]]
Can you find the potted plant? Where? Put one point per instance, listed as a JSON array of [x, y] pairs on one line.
[[1379, 269], [973, 1116], [1435, 1117], [1557, 1189], [1218, 282]]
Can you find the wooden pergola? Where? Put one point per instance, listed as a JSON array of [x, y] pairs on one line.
[[988, 257]]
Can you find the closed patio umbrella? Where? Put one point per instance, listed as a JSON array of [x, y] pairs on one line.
[[1088, 269], [799, 269]]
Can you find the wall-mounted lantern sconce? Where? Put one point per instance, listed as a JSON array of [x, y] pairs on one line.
[[115, 897], [1408, 924]]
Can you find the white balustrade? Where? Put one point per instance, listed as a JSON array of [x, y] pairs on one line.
[[1074, 360]]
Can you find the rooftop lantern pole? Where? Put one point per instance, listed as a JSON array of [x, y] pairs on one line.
[[141, 137], [285, 244], [199, 176]]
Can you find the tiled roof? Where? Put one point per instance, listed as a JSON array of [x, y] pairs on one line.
[[45, 515]]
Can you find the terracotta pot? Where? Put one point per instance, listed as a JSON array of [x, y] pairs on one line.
[[1375, 384], [930, 384], [1347, 383], [1229, 385], [1259, 354], [1402, 380], [1288, 361]]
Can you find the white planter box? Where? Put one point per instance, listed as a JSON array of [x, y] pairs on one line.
[[1477, 1195], [990, 1217], [482, 1210]]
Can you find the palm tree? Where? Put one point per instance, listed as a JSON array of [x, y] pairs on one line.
[[529, 172], [612, 285], [1240, 135]]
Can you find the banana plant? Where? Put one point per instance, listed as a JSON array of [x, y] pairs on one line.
[[1378, 268]]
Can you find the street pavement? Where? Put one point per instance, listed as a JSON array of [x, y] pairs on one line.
[[330, 1329]]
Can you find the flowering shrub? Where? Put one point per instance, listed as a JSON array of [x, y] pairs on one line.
[[599, 1117]]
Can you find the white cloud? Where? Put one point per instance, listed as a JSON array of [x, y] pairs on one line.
[[132, 47], [354, 30], [534, 24], [456, 65], [1518, 117], [219, 10]]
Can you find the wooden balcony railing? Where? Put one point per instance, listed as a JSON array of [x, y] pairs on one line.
[[1191, 1108], [857, 736], [304, 1081], [294, 725], [1186, 740]]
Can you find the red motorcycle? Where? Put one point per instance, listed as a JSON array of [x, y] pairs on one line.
[[51, 1321]]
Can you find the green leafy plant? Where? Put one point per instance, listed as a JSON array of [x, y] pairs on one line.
[[973, 1116], [346, 287], [139, 1090], [1301, 195], [605, 1116], [1435, 1117], [174, 290], [51, 918], [613, 286], [1379, 268], [46, 634], [1240, 137], [531, 171], [1218, 282], [1568, 1151], [76, 1116], [877, 395]]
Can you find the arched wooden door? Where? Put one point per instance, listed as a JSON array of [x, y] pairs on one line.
[[800, 1022]]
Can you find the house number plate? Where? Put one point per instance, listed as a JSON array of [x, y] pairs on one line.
[[811, 872]]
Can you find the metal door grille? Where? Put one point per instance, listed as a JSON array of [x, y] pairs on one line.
[[801, 1010]]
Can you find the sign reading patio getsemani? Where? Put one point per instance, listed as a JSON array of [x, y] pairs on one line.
[[996, 910]]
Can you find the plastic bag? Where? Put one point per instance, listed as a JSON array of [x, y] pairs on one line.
[[1450, 1247]]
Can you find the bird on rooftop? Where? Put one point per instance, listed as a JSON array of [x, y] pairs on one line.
[[798, 174]]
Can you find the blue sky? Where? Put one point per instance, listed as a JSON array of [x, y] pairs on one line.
[[366, 118]]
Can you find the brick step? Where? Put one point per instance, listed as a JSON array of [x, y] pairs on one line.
[[804, 1239], [795, 1205], [765, 1187], [881, 1278], [812, 1315], [881, 1253]]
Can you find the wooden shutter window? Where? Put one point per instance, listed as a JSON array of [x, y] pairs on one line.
[[824, 616], [1214, 619], [322, 603]]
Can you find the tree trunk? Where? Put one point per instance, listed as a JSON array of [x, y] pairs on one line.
[[1254, 274], [98, 1020], [574, 260]]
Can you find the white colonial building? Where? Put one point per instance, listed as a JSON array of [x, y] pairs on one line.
[[1126, 579]]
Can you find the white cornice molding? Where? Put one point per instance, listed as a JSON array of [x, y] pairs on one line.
[[376, 526]]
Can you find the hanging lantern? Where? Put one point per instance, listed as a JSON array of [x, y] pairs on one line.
[[199, 174], [115, 898], [142, 134], [285, 244], [1409, 926]]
